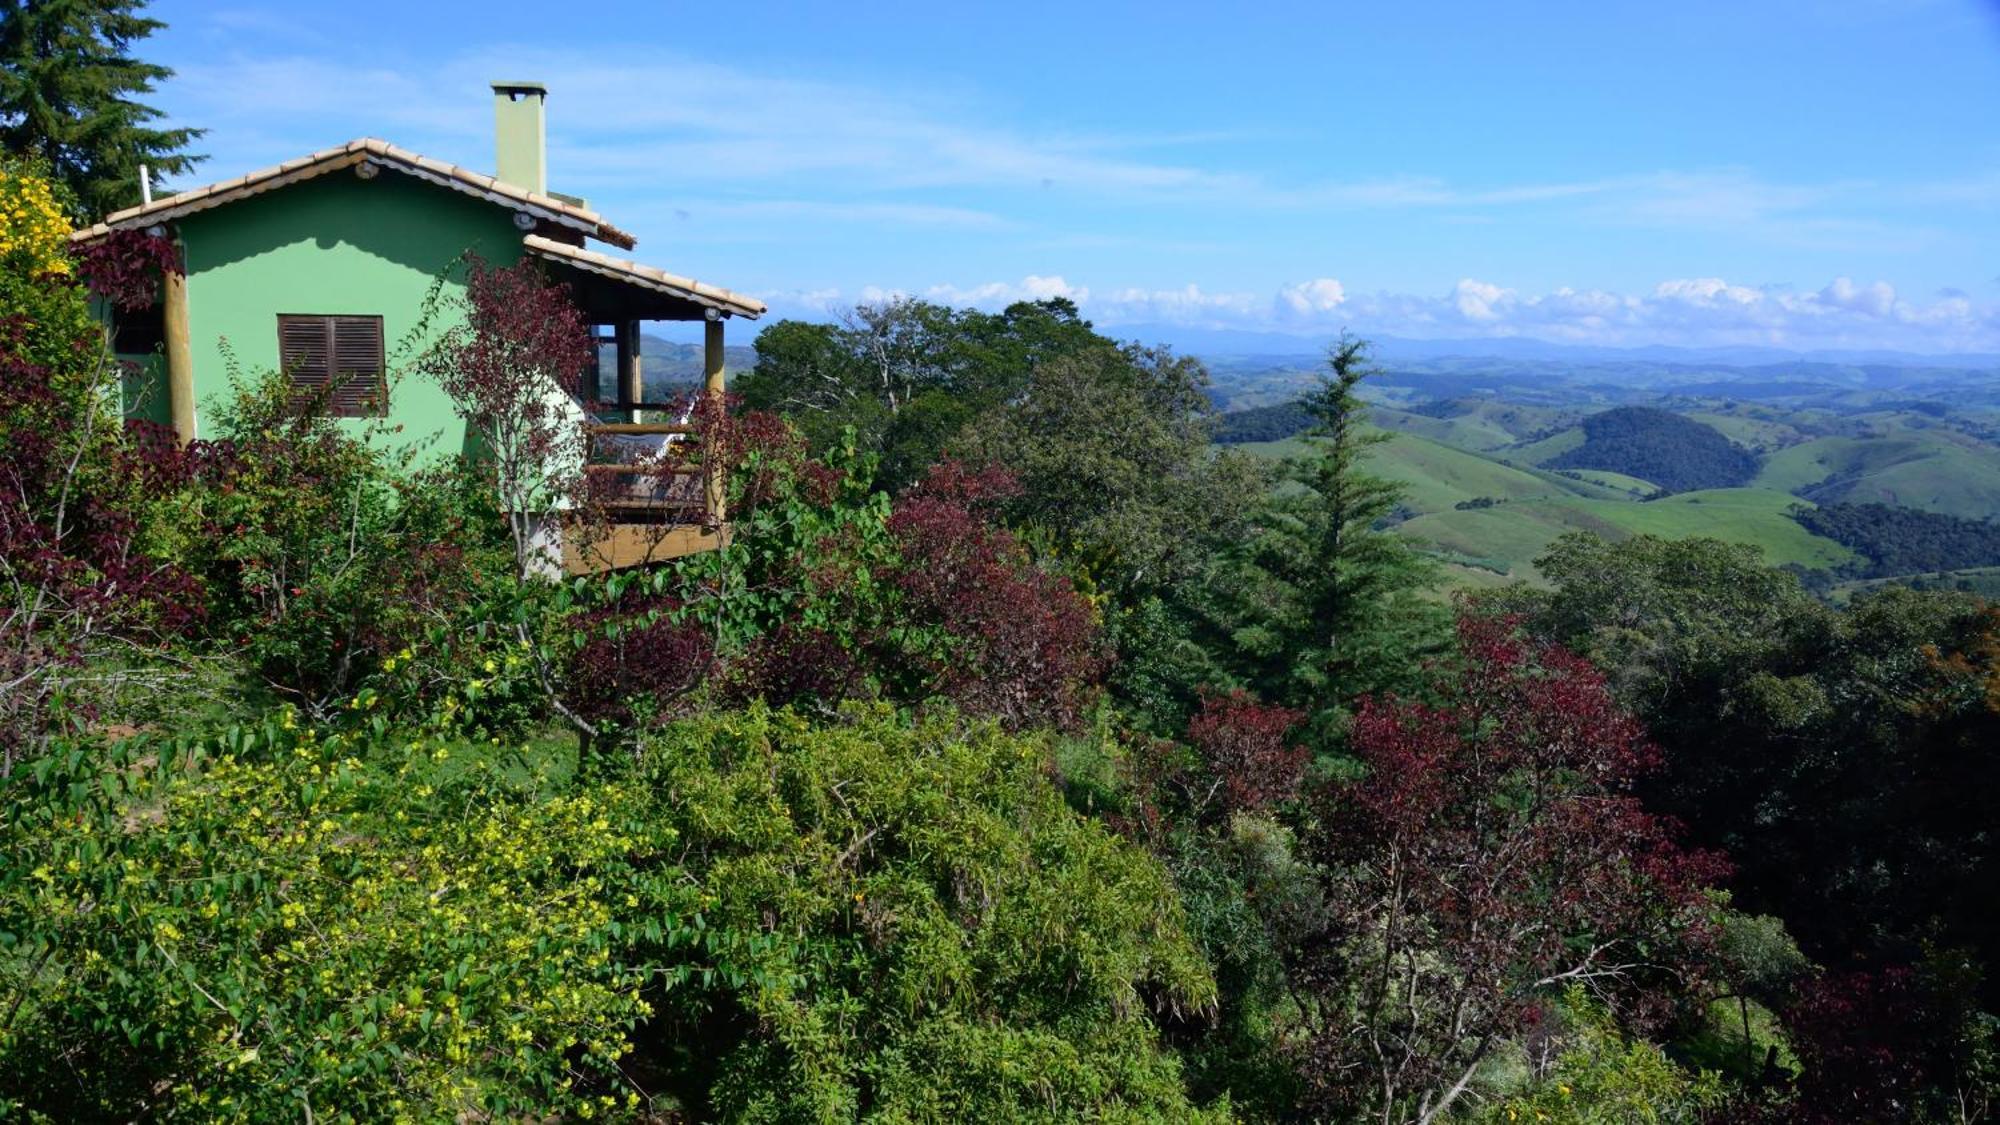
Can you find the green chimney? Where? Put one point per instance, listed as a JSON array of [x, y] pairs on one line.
[[519, 139]]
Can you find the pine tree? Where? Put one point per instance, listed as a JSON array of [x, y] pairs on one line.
[[1323, 604], [67, 98]]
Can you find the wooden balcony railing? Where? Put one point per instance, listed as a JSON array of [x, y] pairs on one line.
[[659, 501]]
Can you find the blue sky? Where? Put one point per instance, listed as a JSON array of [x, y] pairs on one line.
[[1804, 175]]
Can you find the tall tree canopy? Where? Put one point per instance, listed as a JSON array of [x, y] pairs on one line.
[[1321, 605], [908, 375], [69, 90]]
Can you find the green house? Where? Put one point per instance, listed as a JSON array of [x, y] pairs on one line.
[[321, 266]]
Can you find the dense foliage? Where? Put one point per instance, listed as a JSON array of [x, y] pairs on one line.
[[1263, 423], [1838, 755], [1493, 853], [1678, 454], [86, 595], [1016, 758], [1897, 541], [1316, 606]]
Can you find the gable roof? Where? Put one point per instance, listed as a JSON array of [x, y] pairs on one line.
[[645, 277], [383, 154]]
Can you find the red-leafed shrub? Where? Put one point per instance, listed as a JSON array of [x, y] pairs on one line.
[[1897, 1044], [1491, 855], [1021, 644], [1248, 749], [78, 578], [520, 344], [798, 665], [125, 267], [637, 665]]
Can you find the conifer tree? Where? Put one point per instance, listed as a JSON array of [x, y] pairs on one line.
[[68, 97], [1322, 604]]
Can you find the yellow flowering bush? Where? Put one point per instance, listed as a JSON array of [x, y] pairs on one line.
[[34, 232], [289, 922]]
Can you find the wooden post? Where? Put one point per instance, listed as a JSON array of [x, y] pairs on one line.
[[180, 355], [631, 374], [712, 387]]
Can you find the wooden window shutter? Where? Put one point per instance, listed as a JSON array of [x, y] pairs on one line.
[[337, 360]]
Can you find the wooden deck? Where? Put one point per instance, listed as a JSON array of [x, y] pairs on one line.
[[638, 544], [663, 498], [660, 502]]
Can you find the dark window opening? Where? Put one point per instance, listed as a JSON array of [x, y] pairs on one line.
[[335, 362], [139, 331]]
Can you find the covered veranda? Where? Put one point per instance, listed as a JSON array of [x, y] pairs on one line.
[[658, 493]]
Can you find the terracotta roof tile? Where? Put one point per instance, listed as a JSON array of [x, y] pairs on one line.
[[701, 293], [348, 155]]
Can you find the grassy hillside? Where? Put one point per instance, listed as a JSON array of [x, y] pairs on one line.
[[1546, 449], [1534, 506], [1931, 470], [1435, 476], [1508, 537], [1631, 486], [1469, 431]]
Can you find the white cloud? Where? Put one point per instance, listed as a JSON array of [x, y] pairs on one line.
[[1478, 301], [1683, 312], [1307, 298]]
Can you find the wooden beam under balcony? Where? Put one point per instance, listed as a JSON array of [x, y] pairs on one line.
[[627, 544]]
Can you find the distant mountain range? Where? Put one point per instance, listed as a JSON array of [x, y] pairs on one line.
[[1231, 343]]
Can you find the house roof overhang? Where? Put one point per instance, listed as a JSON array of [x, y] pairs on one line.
[[614, 289], [381, 154]]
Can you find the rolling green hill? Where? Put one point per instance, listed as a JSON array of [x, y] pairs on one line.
[[1435, 476], [1931, 470], [1545, 449], [1508, 537], [1534, 506], [1493, 474]]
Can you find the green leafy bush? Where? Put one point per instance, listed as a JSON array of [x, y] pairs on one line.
[[321, 557], [283, 927], [1591, 1074], [913, 927]]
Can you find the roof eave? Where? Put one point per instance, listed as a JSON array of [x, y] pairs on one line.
[[383, 154]]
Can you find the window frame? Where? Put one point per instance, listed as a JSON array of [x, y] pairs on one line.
[[368, 405]]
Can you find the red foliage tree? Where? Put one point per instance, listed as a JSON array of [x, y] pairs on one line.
[[75, 581], [125, 267], [1022, 645], [1492, 855], [520, 343], [1248, 749]]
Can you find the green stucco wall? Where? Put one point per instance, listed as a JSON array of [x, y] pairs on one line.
[[335, 245]]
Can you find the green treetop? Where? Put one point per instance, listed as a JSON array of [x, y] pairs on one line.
[[68, 90], [1323, 604]]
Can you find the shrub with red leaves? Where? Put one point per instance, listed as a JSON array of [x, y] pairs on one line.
[[1248, 749], [1492, 855], [636, 665], [1898, 1044], [1022, 645], [797, 664], [125, 267], [76, 575]]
